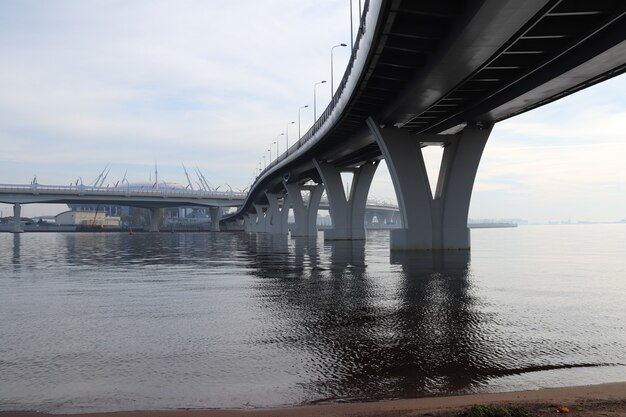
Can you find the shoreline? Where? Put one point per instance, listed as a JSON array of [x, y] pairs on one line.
[[589, 400]]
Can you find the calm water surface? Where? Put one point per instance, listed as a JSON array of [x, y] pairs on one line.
[[92, 322]]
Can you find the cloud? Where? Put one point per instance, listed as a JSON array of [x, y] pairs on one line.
[[212, 84]]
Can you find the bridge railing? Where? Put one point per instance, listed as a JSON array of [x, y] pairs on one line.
[[35, 188], [317, 125]]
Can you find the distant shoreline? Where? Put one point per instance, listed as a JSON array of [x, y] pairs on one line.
[[490, 225], [590, 400]]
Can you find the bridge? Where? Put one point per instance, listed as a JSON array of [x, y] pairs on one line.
[[152, 198], [432, 73]]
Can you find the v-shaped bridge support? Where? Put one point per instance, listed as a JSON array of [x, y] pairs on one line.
[[347, 212], [439, 221]]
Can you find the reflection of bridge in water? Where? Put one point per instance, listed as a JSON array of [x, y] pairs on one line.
[[321, 304]]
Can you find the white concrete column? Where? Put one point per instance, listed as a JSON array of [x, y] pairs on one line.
[[431, 223], [277, 217], [305, 215], [249, 221], [156, 214], [216, 214], [384, 217], [17, 216], [284, 215], [348, 214], [262, 218]]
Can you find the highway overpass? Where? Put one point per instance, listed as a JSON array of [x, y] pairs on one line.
[[433, 73], [153, 198]]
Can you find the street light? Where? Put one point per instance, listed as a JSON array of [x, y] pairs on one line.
[[351, 27], [303, 107], [315, 100], [270, 151], [287, 135], [332, 86], [280, 134], [264, 161], [276, 143]]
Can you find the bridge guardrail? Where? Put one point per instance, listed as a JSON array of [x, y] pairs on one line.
[[35, 188], [317, 125]]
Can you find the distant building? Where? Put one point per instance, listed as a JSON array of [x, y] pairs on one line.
[[86, 218], [109, 210]]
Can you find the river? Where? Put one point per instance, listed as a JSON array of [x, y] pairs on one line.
[[105, 322]]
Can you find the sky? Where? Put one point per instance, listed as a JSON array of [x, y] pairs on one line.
[[213, 84]]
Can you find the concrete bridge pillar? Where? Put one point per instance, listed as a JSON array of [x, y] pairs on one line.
[[216, 213], [156, 214], [348, 214], [428, 222], [262, 218], [249, 222], [246, 223], [277, 217], [17, 217], [384, 218], [305, 215], [369, 218]]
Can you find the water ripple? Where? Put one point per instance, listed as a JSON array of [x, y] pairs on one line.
[[104, 322]]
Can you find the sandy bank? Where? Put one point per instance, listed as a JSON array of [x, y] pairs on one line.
[[593, 400]]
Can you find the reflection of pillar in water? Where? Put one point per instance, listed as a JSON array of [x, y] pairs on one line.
[[305, 247], [437, 261], [346, 253], [16, 249], [216, 213]]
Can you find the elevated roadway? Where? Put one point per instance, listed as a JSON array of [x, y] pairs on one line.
[[151, 198], [433, 73]]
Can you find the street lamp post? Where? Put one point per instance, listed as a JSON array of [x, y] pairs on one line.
[[270, 151], [264, 161], [315, 100], [351, 27], [287, 135], [302, 107], [276, 143], [332, 86], [280, 134]]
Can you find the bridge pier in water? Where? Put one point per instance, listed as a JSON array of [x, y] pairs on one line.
[[347, 212], [156, 214], [431, 222], [216, 213], [277, 217], [17, 217], [262, 218], [249, 222], [304, 215]]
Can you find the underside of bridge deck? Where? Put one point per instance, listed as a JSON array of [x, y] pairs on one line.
[[443, 72]]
